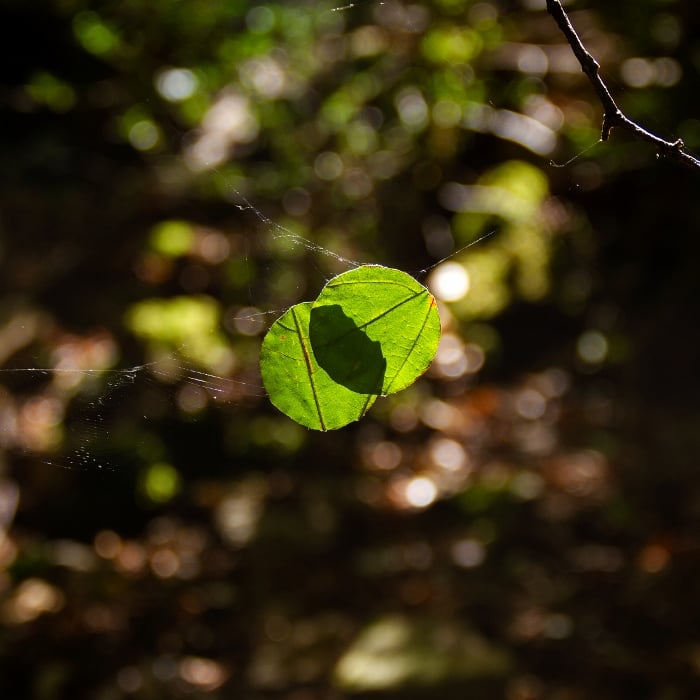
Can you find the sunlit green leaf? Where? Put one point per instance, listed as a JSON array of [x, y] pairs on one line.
[[296, 384], [372, 330], [375, 312]]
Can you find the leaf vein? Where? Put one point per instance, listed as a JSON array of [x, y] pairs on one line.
[[411, 349], [309, 368]]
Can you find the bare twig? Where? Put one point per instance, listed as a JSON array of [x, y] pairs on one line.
[[612, 115]]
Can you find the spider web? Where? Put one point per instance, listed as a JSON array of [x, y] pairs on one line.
[[109, 415], [101, 417]]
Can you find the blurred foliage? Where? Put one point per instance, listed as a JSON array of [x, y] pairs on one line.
[[523, 522]]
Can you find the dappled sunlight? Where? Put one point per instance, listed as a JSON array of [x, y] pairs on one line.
[[449, 454], [228, 122], [396, 652], [440, 415], [189, 325], [238, 514], [39, 424], [32, 598], [519, 522], [516, 194], [642, 72], [267, 77], [202, 674], [525, 130], [383, 455], [455, 358]]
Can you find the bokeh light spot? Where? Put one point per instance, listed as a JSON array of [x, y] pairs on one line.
[[94, 34], [421, 492], [176, 84], [204, 674], [172, 238], [32, 598], [653, 558], [107, 544], [249, 321], [165, 563], [412, 109], [328, 165], [161, 482], [448, 454], [386, 455], [449, 281], [192, 399], [642, 72], [530, 404], [144, 135], [468, 553], [129, 679], [592, 347], [260, 20]]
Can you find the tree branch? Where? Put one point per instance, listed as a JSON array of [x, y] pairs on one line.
[[612, 114]]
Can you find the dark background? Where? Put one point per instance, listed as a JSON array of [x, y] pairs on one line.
[[521, 523]]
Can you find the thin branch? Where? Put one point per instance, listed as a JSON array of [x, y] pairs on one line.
[[612, 114]]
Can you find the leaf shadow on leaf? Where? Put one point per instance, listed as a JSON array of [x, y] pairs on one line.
[[345, 351]]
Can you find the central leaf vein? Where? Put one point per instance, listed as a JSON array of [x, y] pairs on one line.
[[309, 368]]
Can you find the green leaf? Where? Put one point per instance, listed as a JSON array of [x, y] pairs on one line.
[[296, 384], [374, 329]]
